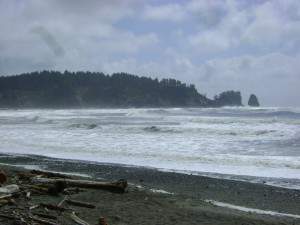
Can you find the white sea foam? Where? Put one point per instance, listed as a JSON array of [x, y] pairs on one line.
[[261, 142], [252, 210], [160, 191]]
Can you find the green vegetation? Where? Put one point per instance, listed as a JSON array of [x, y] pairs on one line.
[[228, 98], [87, 89]]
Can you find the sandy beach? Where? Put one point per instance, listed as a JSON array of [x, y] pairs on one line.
[[157, 197]]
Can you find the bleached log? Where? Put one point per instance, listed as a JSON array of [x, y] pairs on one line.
[[6, 196], [47, 216], [42, 221], [49, 174], [62, 201], [53, 207], [81, 204], [119, 186], [78, 220]]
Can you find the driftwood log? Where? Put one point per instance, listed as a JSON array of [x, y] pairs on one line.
[[80, 204], [47, 216], [119, 186], [6, 196], [78, 220], [42, 221], [62, 201], [7, 216], [53, 207], [48, 174]]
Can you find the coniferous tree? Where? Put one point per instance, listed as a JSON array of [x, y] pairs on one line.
[[94, 89]]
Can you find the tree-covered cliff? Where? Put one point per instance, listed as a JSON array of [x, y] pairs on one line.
[[87, 89], [228, 98]]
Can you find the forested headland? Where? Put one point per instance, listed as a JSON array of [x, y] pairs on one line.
[[55, 89]]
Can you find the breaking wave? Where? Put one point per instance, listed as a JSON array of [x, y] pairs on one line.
[[83, 126], [156, 129], [230, 112], [236, 140]]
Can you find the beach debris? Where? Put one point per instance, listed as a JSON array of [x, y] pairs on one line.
[[80, 204], [72, 190], [7, 216], [33, 207], [3, 177], [62, 201], [5, 196], [9, 189], [42, 221], [28, 195], [24, 200], [5, 202], [78, 220], [118, 187], [102, 221], [53, 207], [49, 174], [46, 216]]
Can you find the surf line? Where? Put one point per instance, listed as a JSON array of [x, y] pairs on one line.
[[252, 210]]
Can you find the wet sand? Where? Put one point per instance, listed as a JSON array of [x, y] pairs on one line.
[[182, 200]]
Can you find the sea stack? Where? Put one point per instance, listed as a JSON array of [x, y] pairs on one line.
[[253, 101]]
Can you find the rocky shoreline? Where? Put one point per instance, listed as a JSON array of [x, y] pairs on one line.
[[166, 197]]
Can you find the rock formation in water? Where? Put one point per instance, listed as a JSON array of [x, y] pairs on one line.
[[253, 101]]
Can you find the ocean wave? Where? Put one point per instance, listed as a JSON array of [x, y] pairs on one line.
[[156, 129], [34, 119], [285, 114], [152, 129], [223, 140], [83, 126], [244, 112], [262, 132], [158, 111]]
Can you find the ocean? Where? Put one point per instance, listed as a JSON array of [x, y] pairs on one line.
[[252, 144]]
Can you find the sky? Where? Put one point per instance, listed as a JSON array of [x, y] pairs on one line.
[[246, 45]]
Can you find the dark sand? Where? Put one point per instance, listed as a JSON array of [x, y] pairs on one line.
[[185, 206]]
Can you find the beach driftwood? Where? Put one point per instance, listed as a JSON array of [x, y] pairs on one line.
[[48, 174], [53, 207], [42, 221], [6, 196], [80, 204], [28, 186], [102, 221], [62, 201], [119, 186], [7, 216], [77, 219], [72, 190], [47, 216]]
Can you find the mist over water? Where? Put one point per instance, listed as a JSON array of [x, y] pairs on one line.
[[261, 142]]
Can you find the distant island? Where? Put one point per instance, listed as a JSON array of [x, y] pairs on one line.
[[253, 101], [94, 89]]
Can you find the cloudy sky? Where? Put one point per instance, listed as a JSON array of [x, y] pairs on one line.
[[247, 45]]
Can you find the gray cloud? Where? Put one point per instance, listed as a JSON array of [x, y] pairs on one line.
[[50, 40]]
